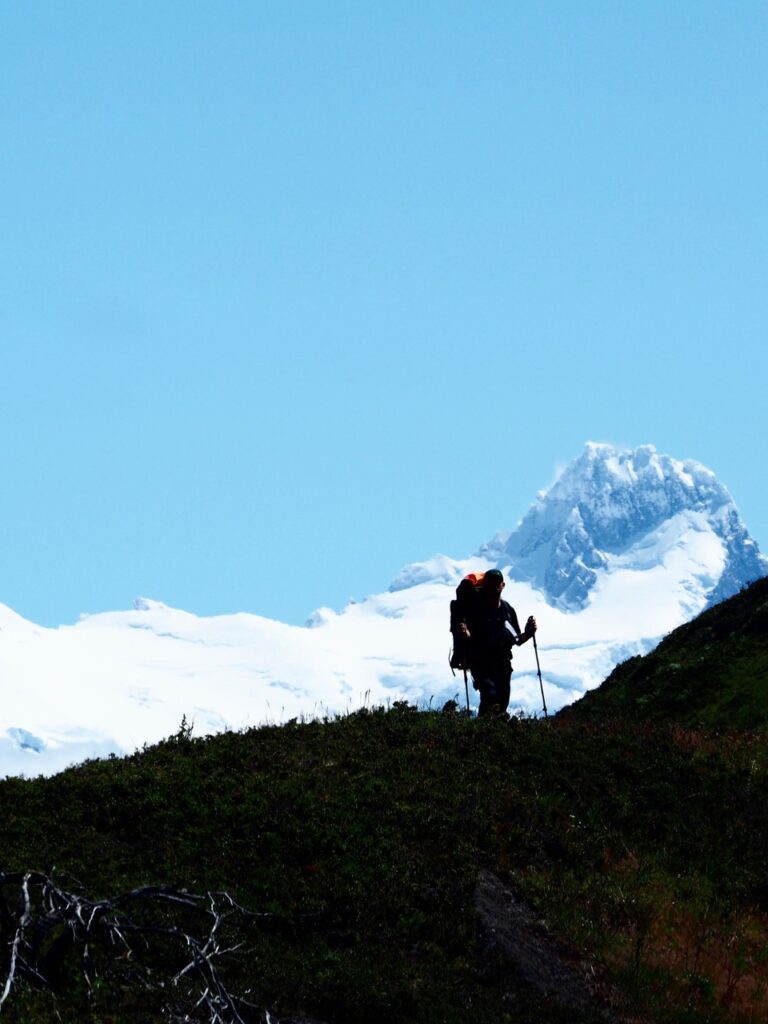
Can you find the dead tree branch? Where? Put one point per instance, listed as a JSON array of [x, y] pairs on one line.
[[166, 941]]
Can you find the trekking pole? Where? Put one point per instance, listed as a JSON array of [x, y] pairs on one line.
[[538, 669], [463, 666]]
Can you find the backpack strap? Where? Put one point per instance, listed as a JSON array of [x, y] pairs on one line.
[[511, 616]]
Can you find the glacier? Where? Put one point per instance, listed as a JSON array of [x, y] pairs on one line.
[[623, 547]]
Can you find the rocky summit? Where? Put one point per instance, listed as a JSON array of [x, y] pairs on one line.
[[607, 504]]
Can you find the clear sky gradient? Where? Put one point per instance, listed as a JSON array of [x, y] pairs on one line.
[[293, 293]]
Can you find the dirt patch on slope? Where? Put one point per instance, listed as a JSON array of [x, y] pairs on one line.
[[516, 950]]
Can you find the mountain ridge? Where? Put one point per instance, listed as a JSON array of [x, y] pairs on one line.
[[711, 672], [115, 680]]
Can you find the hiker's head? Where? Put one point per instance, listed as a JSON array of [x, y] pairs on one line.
[[493, 582]]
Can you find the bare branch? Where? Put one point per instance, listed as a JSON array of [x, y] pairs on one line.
[[119, 936]]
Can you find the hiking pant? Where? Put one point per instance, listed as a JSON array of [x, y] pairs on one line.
[[492, 679]]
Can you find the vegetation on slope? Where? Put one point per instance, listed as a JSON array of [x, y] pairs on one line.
[[709, 673], [362, 839]]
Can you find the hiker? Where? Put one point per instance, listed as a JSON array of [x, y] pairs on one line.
[[481, 628]]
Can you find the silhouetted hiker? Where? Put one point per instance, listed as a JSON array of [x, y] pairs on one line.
[[481, 629]]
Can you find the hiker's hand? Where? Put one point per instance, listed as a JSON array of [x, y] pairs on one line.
[[530, 626], [463, 631]]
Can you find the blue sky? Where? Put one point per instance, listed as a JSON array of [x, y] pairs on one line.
[[293, 293]]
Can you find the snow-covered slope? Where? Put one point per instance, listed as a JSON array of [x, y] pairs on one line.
[[622, 548]]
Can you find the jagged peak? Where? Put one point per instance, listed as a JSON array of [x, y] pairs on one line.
[[609, 465], [605, 501]]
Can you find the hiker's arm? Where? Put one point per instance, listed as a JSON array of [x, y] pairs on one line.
[[530, 629]]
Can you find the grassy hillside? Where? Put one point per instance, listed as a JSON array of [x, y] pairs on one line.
[[373, 845], [710, 673]]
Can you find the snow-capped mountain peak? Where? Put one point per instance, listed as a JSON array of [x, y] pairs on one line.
[[603, 504]]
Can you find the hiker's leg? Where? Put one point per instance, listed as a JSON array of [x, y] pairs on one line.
[[503, 681], [489, 700]]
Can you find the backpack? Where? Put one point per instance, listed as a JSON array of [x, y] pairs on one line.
[[463, 609]]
